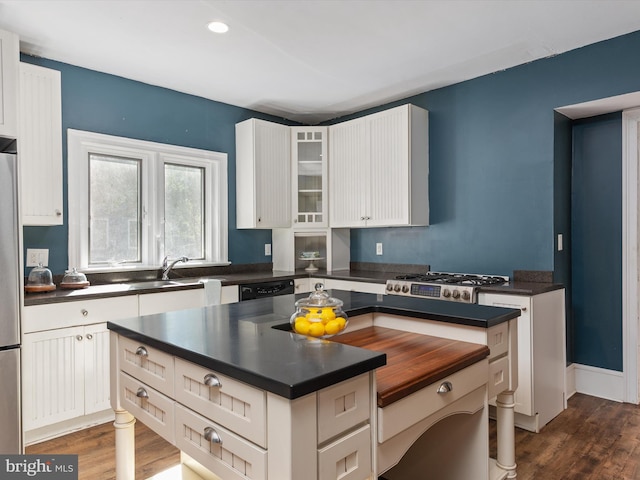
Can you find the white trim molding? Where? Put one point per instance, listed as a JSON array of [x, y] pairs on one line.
[[630, 129], [597, 382]]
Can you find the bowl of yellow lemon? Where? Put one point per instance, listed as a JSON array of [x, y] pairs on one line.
[[319, 315]]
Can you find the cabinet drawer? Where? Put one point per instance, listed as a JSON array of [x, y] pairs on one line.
[[37, 318], [404, 413], [499, 375], [151, 366], [228, 402], [153, 409], [343, 406], [349, 458], [231, 457], [498, 340]]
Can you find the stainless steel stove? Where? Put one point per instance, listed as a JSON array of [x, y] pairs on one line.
[[456, 287]]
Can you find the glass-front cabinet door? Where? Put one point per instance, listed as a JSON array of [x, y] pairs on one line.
[[309, 155]]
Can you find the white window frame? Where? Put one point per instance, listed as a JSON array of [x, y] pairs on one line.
[[153, 157]]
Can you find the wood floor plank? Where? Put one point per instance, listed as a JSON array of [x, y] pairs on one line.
[[594, 439]]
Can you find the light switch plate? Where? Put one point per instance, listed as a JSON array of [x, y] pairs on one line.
[[378, 248], [267, 249]]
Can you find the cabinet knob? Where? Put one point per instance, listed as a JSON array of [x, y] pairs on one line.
[[58, 213], [79, 338], [84, 312], [89, 336], [142, 393], [211, 380], [212, 436], [141, 351], [524, 309], [445, 387]]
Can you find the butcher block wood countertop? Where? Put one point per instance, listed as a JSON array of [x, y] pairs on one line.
[[413, 360]]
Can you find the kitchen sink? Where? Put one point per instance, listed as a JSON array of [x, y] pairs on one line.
[[163, 283]]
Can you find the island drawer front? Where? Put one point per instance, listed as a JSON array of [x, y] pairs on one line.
[[498, 377], [233, 458], [153, 409], [37, 318], [343, 406], [498, 340], [410, 410], [233, 404], [348, 458], [151, 366]]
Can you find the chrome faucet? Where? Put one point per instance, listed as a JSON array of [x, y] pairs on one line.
[[167, 266]]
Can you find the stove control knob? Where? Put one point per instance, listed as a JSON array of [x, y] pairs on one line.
[[466, 296], [455, 294], [397, 288], [446, 293], [405, 289], [389, 287]]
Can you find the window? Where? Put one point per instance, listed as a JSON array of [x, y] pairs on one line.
[[132, 202]]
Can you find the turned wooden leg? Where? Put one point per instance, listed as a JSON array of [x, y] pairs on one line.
[[125, 445], [505, 424]]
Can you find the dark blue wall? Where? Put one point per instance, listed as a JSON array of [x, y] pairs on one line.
[[113, 105], [493, 176], [499, 168], [597, 242]]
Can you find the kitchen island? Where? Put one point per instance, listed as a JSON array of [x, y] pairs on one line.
[[317, 393]]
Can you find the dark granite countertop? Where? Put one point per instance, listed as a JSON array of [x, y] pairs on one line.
[[116, 289], [239, 340]]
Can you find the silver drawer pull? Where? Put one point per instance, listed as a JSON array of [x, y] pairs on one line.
[[211, 380], [89, 336], [142, 352], [79, 338], [445, 387], [210, 435], [142, 393], [84, 312]]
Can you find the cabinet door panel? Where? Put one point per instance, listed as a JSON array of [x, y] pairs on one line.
[[53, 376], [96, 365], [40, 145], [348, 174], [389, 165], [9, 60]]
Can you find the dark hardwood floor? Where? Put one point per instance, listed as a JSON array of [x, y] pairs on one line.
[[594, 439]]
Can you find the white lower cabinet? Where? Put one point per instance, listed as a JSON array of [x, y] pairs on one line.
[[540, 395], [65, 374], [236, 431]]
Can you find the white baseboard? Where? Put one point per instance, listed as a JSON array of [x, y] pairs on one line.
[[594, 381]]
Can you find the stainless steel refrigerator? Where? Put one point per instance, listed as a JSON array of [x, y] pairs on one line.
[[10, 295]]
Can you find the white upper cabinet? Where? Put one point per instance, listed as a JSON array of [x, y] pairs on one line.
[[263, 174], [40, 145], [9, 60], [379, 169], [309, 173]]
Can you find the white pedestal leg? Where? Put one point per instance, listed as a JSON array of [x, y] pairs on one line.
[[125, 445], [505, 424]]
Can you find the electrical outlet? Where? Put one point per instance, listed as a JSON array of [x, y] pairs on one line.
[[267, 249], [560, 245], [35, 256], [378, 249]]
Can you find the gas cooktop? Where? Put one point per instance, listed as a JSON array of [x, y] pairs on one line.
[[459, 287]]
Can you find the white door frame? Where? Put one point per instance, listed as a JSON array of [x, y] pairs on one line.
[[630, 159]]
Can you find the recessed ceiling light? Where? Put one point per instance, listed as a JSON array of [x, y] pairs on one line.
[[218, 27]]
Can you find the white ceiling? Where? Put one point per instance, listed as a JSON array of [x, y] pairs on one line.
[[310, 60]]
